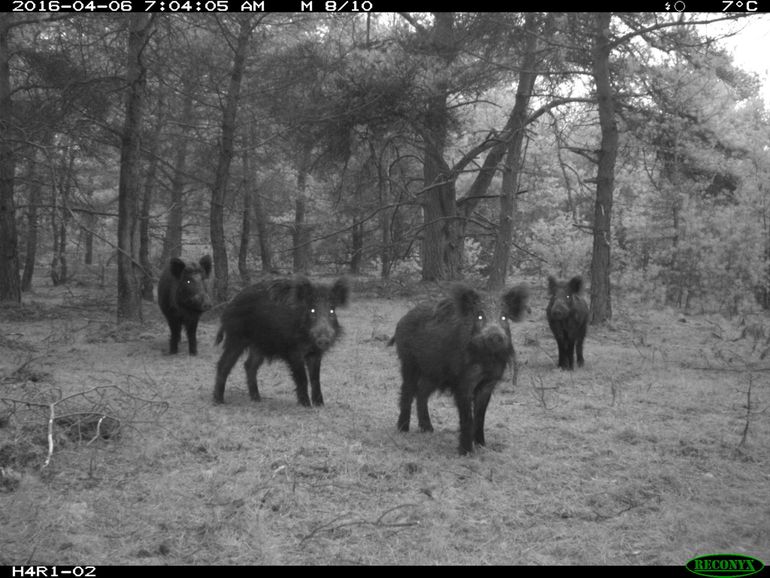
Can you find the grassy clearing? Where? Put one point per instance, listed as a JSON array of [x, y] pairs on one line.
[[636, 459]]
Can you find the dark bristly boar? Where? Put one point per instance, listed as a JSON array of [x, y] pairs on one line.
[[290, 319], [567, 315], [461, 346], [183, 295]]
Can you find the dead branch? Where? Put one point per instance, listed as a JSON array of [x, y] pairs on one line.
[[99, 421], [378, 523], [539, 392], [51, 418]]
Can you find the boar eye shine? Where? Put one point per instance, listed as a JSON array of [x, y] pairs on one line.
[[286, 319], [441, 348], [182, 298]]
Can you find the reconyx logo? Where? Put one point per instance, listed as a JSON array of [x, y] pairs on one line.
[[724, 565]]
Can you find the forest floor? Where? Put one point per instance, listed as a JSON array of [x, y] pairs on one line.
[[648, 455]]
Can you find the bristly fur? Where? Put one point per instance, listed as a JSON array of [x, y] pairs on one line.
[[289, 319], [515, 301], [458, 345], [183, 295], [567, 315]]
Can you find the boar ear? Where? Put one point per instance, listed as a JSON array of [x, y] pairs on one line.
[[515, 302], [303, 290], [576, 284], [341, 291], [466, 299], [205, 262], [551, 285], [177, 266]]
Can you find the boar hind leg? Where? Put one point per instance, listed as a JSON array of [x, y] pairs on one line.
[[252, 364]]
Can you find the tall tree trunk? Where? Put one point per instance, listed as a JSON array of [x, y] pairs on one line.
[[514, 160], [301, 234], [243, 249], [357, 230], [762, 289], [59, 226], [35, 194], [265, 250], [357, 241], [144, 216], [88, 238], [442, 246], [260, 218], [386, 237], [217, 223], [676, 274], [172, 241], [146, 283], [601, 305], [10, 284], [129, 296], [59, 259]]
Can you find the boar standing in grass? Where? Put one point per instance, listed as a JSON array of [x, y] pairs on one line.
[[460, 346], [567, 315], [290, 319], [183, 295]]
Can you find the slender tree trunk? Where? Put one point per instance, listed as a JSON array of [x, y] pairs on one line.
[[10, 284], [53, 270], [129, 295], [144, 217], [144, 234], [223, 165], [35, 194], [762, 290], [265, 251], [601, 305], [357, 230], [88, 238], [442, 247], [357, 240], [243, 250], [59, 259], [675, 284], [504, 239], [172, 241], [512, 170], [386, 251], [32, 227], [59, 221], [386, 237], [250, 197], [260, 217], [302, 251]]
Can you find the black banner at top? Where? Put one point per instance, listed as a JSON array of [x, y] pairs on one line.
[[364, 6]]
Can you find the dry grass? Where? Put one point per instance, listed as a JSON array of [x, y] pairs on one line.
[[635, 459]]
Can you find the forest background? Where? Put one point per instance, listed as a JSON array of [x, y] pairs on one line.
[[626, 147]]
